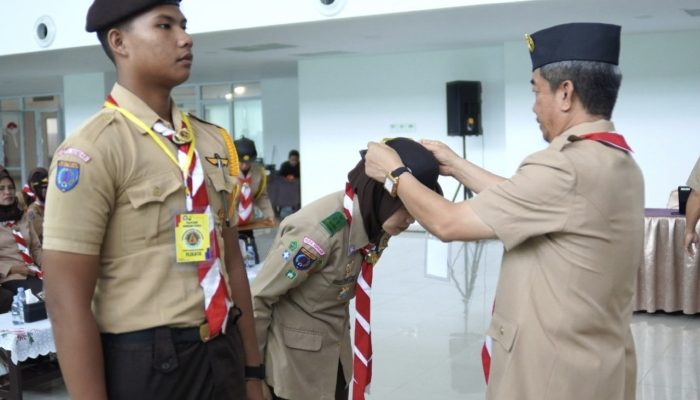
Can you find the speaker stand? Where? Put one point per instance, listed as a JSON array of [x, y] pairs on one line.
[[467, 193]]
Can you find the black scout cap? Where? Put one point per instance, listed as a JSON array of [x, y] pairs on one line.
[[422, 163], [245, 149], [575, 42], [104, 14]]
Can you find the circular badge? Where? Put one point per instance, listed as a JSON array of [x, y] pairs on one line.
[[192, 239]]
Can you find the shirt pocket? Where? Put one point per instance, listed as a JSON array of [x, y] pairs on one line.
[[148, 197], [503, 332], [302, 339]]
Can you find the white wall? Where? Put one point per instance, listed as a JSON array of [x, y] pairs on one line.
[[280, 102], [346, 102]]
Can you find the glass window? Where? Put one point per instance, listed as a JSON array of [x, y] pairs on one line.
[[219, 114], [248, 121], [216, 92]]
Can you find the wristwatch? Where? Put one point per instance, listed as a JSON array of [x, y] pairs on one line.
[[391, 183], [255, 372]]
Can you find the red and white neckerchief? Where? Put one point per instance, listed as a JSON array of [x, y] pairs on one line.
[[28, 191], [612, 139], [362, 346], [22, 247], [217, 300], [245, 204]]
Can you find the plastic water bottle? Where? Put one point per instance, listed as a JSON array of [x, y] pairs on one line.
[[249, 256], [18, 307]]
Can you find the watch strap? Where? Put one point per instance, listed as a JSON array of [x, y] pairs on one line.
[[255, 372], [400, 170]]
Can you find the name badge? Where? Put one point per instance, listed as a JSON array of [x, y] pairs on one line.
[[192, 242]]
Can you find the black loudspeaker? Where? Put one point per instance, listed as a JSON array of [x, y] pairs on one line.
[[464, 108], [683, 194]]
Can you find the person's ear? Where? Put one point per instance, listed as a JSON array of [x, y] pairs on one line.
[[565, 95], [115, 39]]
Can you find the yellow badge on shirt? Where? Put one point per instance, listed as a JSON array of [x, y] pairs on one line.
[[192, 237]]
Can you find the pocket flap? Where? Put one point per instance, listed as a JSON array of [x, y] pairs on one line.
[[155, 189], [503, 332], [302, 340], [222, 182]]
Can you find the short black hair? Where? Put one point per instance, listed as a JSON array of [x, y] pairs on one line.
[[102, 36], [293, 153]]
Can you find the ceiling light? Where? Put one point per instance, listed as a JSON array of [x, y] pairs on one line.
[[228, 96], [239, 90]]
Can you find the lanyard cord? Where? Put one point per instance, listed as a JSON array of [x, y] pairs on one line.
[[190, 152]]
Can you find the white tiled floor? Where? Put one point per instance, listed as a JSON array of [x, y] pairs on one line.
[[428, 330]]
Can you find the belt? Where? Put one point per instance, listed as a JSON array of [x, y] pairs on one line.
[[179, 335]]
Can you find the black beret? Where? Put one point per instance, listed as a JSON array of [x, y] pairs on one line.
[[575, 42], [246, 149], [422, 163], [105, 14]]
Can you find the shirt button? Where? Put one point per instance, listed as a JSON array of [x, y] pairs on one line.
[[165, 365], [156, 191], [501, 331]]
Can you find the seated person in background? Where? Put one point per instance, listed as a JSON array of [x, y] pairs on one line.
[[290, 168], [301, 295], [253, 193], [34, 193], [20, 249]]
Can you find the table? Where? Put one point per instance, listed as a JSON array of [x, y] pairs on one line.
[[668, 279], [18, 343]]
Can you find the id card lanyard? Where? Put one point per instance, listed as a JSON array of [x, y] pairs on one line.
[[192, 238]]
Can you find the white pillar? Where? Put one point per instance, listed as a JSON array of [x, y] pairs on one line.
[[83, 95]]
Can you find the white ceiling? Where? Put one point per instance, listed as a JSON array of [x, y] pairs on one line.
[[38, 73]]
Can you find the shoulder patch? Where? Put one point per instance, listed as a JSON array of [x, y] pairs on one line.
[[304, 259], [334, 222], [67, 175]]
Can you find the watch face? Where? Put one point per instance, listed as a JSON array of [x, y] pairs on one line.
[[389, 184]]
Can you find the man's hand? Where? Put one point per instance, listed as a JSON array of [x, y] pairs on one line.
[[444, 154], [691, 243], [380, 160]]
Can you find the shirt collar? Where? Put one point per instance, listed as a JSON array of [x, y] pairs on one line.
[[129, 101]]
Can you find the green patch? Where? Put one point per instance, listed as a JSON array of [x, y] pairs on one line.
[[334, 222], [293, 245], [291, 274]]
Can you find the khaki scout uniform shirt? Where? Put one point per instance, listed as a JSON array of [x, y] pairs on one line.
[[694, 178], [572, 223], [123, 209], [259, 193], [302, 316], [35, 216], [9, 252]]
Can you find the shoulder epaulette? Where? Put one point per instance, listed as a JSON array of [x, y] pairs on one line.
[[203, 121], [334, 222]]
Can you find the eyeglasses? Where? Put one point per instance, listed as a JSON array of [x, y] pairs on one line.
[[7, 188]]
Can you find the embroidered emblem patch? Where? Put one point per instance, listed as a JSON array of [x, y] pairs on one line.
[[334, 222], [67, 175], [286, 254], [72, 151], [304, 259], [291, 274], [314, 245], [215, 161], [293, 245]]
